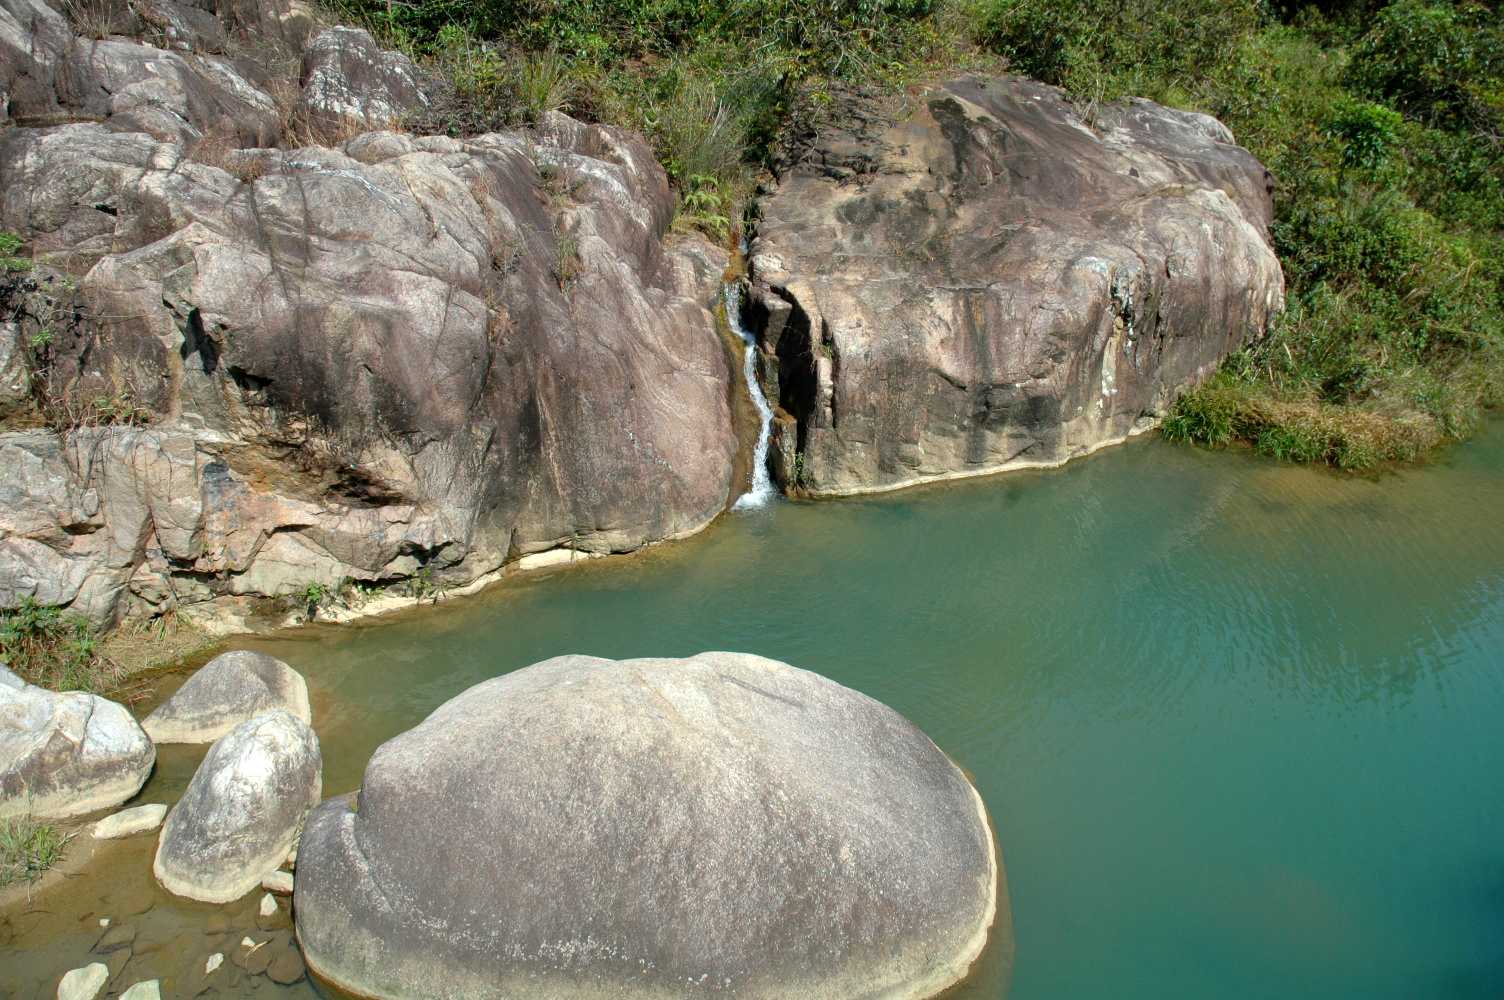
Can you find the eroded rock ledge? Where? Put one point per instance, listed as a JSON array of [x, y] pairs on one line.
[[384, 357], [982, 280]]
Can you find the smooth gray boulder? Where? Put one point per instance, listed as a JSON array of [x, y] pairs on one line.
[[723, 824], [242, 811], [66, 754], [225, 692]]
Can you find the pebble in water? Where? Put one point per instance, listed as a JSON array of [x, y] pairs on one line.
[[151, 989]]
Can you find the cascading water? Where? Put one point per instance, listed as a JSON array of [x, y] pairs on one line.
[[762, 485]]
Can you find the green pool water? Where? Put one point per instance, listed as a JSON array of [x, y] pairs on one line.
[[1240, 726]]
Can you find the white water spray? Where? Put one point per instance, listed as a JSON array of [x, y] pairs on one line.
[[762, 486]]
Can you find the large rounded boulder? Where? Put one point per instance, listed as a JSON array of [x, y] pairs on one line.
[[241, 813], [66, 754], [225, 692], [723, 824]]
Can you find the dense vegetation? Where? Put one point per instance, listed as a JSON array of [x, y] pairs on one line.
[[1381, 122]]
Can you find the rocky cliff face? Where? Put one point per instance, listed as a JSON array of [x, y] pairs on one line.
[[272, 340], [983, 280], [255, 368]]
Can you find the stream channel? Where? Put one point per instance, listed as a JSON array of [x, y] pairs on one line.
[[1240, 725]]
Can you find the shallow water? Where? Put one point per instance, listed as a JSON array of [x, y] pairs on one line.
[[1240, 726]]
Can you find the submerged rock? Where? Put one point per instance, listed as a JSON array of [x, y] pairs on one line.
[[241, 812], [84, 983], [129, 822], [649, 828], [225, 692], [66, 754], [986, 280]]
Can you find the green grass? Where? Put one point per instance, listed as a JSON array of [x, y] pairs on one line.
[[54, 649], [10, 244], [27, 849]]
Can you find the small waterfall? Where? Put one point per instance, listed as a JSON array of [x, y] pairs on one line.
[[762, 486]]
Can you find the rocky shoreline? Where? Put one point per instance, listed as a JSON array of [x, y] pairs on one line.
[[917, 874], [261, 343]]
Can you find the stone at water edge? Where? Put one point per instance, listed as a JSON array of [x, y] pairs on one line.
[[223, 693], [129, 822], [83, 984], [278, 882], [719, 824], [241, 812], [63, 755]]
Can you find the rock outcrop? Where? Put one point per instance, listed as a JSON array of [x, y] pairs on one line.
[[723, 824], [985, 280], [241, 813], [349, 80], [264, 368], [225, 692], [66, 754]]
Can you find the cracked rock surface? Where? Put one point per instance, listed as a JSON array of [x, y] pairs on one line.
[[266, 364]]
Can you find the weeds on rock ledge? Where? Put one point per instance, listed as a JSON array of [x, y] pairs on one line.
[[54, 649], [28, 848], [10, 243]]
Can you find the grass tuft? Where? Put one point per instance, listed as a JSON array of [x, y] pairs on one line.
[[28, 848], [54, 649]]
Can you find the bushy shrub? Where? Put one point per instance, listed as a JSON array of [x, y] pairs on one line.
[[1381, 123], [1440, 63], [1106, 50]]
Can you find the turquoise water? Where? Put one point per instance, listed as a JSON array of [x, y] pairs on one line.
[[1240, 726]]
